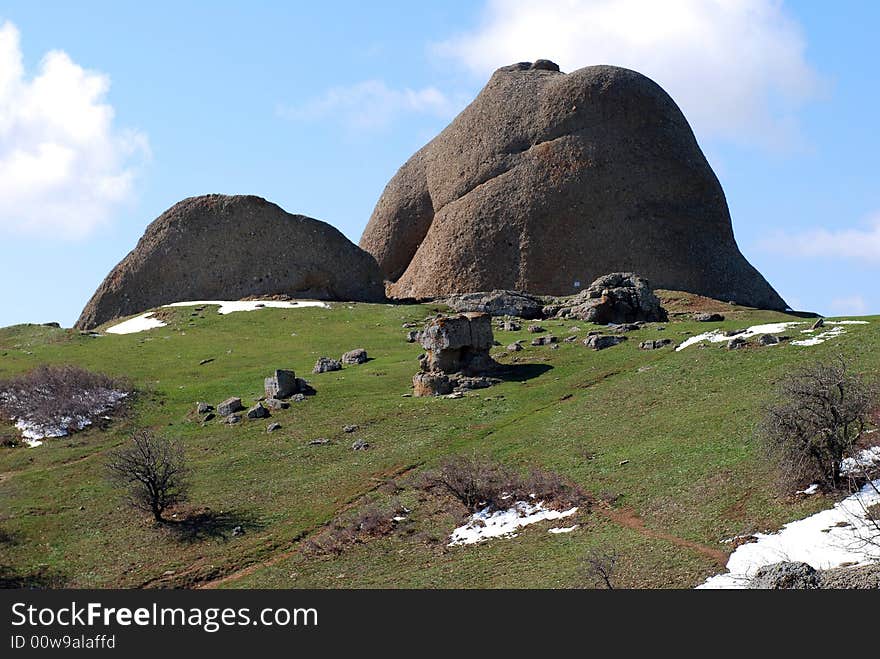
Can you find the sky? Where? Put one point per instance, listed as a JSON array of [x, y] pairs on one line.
[[111, 112]]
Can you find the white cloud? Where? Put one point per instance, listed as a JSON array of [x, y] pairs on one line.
[[854, 305], [63, 166], [737, 68], [852, 244], [372, 104]]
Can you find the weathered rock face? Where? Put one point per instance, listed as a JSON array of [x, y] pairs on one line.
[[220, 247], [784, 576], [548, 180], [456, 355], [621, 297]]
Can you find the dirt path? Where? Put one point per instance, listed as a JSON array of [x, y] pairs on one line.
[[627, 517]]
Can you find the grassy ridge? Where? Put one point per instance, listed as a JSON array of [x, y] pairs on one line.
[[682, 421]]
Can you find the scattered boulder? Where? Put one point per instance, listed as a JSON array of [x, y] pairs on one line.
[[546, 181], [360, 445], [511, 326], [349, 428], [536, 329], [602, 341], [498, 303], [785, 576], [737, 343], [768, 340], [326, 365], [282, 384], [274, 404], [819, 323], [208, 417], [627, 327], [203, 408], [229, 406], [544, 340], [654, 344], [458, 344], [412, 336], [708, 317], [232, 419], [258, 412], [618, 298], [356, 356], [464, 383], [431, 384], [220, 247], [272, 427], [514, 347], [321, 441]]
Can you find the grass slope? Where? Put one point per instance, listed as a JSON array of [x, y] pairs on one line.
[[670, 433]]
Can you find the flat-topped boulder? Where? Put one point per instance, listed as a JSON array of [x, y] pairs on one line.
[[221, 247], [548, 180]]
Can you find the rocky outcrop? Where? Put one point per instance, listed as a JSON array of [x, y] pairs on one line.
[[620, 297], [220, 247], [785, 576], [548, 180], [456, 355]]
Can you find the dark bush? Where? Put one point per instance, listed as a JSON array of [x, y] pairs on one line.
[[60, 398], [370, 521], [479, 482], [821, 412], [153, 469]]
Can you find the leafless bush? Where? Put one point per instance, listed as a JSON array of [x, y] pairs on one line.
[[479, 482], [59, 398], [599, 568], [153, 469], [370, 521], [821, 413]]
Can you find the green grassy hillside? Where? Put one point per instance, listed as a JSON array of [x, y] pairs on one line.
[[662, 439]]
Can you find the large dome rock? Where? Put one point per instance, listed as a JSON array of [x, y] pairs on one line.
[[229, 247], [547, 181]]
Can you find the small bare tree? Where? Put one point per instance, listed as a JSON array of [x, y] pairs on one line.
[[599, 568], [153, 469], [821, 413]]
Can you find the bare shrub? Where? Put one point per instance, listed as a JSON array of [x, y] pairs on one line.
[[369, 521], [820, 415], [59, 399], [479, 482], [599, 568], [153, 469]]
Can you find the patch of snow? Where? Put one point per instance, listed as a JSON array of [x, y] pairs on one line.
[[231, 306], [137, 324], [717, 336], [487, 524], [846, 322], [812, 489], [833, 333], [33, 432], [868, 457], [825, 540], [563, 529]]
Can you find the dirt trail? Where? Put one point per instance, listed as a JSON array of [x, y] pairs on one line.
[[629, 518]]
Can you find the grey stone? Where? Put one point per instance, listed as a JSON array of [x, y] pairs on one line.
[[203, 408], [768, 340], [785, 576], [654, 344], [272, 427], [281, 384], [274, 404], [258, 412], [708, 317], [819, 323], [600, 341], [736, 343], [514, 347], [326, 365], [349, 428], [232, 419], [498, 303], [356, 356], [229, 406], [620, 298], [360, 445]]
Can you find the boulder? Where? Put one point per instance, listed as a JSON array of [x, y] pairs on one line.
[[272, 427], [283, 384], [708, 317], [274, 404], [619, 298], [458, 344], [737, 343], [325, 365], [544, 340], [514, 347], [785, 576], [768, 340], [819, 323], [229, 406], [356, 356], [602, 341], [203, 408], [498, 303], [654, 344], [431, 384], [258, 412], [548, 180], [220, 247]]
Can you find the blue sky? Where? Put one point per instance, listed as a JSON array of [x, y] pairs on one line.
[[110, 112]]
